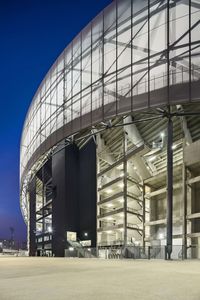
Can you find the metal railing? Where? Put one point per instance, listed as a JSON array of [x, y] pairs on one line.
[[159, 80], [179, 252]]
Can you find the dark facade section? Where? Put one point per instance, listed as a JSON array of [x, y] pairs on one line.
[[74, 196], [72, 188], [58, 203], [87, 201], [32, 222]]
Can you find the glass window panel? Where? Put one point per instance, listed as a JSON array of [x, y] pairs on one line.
[[68, 111], [59, 119], [38, 119], [110, 39], [76, 107], [140, 53], [97, 97], [97, 63], [47, 108], [157, 55], [60, 65], [86, 101], [86, 57], [179, 53], [47, 127], [76, 65], [60, 93], [47, 84], [97, 48], [195, 50], [53, 97], [68, 73], [124, 55]]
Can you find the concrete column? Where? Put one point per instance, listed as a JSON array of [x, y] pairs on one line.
[[169, 188], [144, 213], [184, 194]]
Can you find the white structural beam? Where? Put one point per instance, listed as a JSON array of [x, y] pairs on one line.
[[186, 131], [193, 180], [134, 136], [103, 151], [162, 191], [193, 216]]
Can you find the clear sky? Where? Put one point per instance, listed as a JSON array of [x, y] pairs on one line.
[[32, 34]]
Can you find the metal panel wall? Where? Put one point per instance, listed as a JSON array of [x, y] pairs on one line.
[[59, 203], [88, 192]]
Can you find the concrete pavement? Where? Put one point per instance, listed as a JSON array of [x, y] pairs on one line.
[[24, 278]]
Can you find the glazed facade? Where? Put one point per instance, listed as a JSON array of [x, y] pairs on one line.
[[133, 56]]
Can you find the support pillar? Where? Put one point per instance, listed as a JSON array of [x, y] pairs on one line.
[[169, 188], [144, 213], [125, 193], [184, 191], [125, 202]]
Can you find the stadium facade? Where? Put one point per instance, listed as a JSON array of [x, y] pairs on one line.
[[110, 149]]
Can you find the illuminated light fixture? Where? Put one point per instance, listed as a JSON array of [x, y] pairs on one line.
[[162, 135], [121, 185], [110, 205], [109, 231], [135, 168], [119, 167], [109, 218], [121, 200], [121, 229], [71, 249], [109, 191], [161, 236], [152, 158], [49, 229], [85, 234], [174, 147]]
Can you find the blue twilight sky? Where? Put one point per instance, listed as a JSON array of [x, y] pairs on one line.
[[32, 34]]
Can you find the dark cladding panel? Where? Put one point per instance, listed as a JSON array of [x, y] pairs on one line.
[[88, 193], [72, 188], [65, 199], [32, 220], [59, 203]]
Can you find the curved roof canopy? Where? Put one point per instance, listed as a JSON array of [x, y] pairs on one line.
[[134, 55]]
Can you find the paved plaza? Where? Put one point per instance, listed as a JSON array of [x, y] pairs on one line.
[[94, 279]]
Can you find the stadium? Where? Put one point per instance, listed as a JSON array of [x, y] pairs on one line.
[[110, 148]]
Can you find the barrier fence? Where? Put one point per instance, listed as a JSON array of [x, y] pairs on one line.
[[179, 252]]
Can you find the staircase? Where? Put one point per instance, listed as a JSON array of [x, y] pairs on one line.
[[80, 251]]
